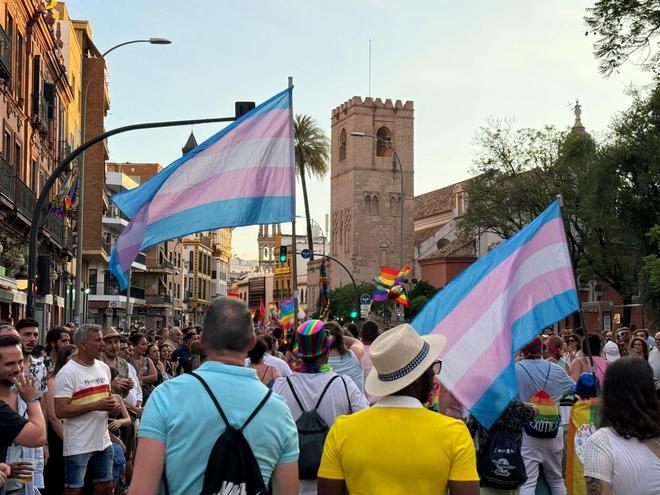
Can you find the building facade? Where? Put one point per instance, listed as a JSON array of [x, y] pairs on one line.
[[366, 203], [36, 93]]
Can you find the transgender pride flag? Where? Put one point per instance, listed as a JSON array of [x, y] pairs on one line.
[[243, 175], [495, 307]]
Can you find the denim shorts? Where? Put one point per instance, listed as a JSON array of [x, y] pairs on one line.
[[99, 464], [118, 462]]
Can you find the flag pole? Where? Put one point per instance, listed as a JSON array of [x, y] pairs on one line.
[[583, 329], [294, 239]]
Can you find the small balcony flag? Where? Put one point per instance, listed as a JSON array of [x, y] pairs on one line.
[[495, 307], [243, 175]]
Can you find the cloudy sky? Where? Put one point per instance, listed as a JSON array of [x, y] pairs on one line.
[[460, 62]]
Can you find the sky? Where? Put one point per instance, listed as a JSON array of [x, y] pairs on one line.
[[462, 63]]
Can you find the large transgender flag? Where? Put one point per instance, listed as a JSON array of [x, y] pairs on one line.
[[495, 307], [243, 175]]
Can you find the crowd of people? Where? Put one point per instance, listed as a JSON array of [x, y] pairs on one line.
[[234, 408]]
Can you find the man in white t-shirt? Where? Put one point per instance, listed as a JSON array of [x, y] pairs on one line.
[[654, 357], [316, 385], [83, 400]]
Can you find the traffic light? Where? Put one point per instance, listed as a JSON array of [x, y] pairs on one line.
[[283, 254], [354, 315]]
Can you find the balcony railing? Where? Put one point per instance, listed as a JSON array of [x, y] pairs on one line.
[[136, 292], [25, 198], [5, 55], [56, 228], [112, 289], [106, 245], [158, 299], [40, 111], [65, 149], [7, 173], [68, 239], [141, 258]]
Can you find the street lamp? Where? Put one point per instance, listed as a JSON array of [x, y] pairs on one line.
[[396, 155], [81, 168]]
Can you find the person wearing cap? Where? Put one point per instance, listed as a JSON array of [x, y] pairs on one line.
[[611, 352], [315, 382], [121, 382], [534, 374], [398, 446]]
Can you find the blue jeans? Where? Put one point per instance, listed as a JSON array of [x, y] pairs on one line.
[[99, 463], [118, 462]]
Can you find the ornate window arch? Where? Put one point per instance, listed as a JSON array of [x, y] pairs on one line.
[[382, 149], [367, 203]]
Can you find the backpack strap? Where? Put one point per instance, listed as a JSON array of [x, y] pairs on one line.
[[327, 385], [295, 395], [348, 397], [531, 377], [215, 401], [256, 410], [547, 376]]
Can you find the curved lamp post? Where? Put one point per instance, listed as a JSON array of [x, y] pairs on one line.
[[81, 168], [396, 155]]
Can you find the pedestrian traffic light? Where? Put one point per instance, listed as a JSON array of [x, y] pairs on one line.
[[283, 254], [354, 314]]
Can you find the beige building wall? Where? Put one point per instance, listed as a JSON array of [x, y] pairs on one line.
[[365, 187]]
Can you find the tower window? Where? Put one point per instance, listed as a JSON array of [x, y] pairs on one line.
[[342, 145], [384, 136]]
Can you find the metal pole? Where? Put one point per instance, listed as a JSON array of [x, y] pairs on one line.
[[81, 175], [355, 288], [294, 242], [61, 168], [128, 301]]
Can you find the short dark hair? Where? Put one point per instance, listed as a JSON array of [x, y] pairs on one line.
[[25, 323], [189, 335], [595, 344], [353, 329], [8, 341], [136, 338], [369, 331], [228, 325], [256, 354], [630, 405]]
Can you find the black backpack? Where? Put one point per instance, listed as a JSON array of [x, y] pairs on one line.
[[312, 431], [500, 464], [232, 467]]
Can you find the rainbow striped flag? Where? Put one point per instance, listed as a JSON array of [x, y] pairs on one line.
[[243, 175], [287, 310], [386, 280], [497, 305], [583, 421]]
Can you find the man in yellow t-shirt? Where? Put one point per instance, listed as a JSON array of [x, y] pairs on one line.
[[398, 446]]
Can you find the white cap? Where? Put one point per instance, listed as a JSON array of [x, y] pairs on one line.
[[611, 351]]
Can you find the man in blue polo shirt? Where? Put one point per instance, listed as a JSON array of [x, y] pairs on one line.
[[180, 424]]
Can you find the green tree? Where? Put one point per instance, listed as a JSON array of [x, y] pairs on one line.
[[343, 300], [422, 288], [611, 191], [626, 29], [417, 304], [312, 155], [651, 279]]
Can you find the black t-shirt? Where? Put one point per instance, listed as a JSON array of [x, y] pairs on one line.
[[11, 424]]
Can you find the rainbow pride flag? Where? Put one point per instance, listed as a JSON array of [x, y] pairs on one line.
[[287, 310], [386, 280], [581, 426], [243, 175]]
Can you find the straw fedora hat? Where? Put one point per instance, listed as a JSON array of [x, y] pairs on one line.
[[400, 356]]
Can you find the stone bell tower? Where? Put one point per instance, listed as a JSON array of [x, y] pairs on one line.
[[365, 197]]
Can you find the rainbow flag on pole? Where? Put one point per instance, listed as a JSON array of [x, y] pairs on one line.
[[497, 305], [287, 310], [243, 175]]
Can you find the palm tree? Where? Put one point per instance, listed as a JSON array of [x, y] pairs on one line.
[[312, 156]]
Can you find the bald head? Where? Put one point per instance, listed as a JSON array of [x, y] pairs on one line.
[[227, 326]]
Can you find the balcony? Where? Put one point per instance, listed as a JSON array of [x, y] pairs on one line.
[[105, 244], [112, 289], [68, 239], [65, 149], [158, 299], [55, 227], [141, 258], [40, 112], [7, 173], [5, 55], [136, 293], [25, 199]]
